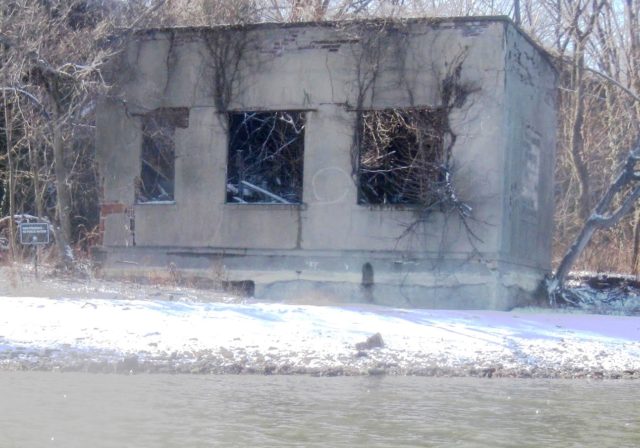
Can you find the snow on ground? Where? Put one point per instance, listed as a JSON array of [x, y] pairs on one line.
[[103, 330]]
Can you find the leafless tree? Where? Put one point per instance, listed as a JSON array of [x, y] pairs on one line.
[[51, 60]]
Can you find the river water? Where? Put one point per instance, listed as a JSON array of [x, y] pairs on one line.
[[92, 410]]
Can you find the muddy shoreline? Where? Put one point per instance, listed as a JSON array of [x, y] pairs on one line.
[[198, 368], [209, 364]]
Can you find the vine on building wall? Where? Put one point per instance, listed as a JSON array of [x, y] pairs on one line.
[[403, 156]]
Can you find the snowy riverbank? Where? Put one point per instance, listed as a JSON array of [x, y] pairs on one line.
[[100, 327]]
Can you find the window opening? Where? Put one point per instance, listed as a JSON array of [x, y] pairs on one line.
[[265, 158], [401, 157], [157, 172]]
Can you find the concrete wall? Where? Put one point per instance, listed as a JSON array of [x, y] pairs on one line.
[[530, 153], [503, 152]]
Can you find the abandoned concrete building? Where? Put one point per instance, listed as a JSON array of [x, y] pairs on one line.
[[406, 163]]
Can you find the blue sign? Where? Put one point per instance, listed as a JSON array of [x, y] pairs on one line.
[[34, 233]]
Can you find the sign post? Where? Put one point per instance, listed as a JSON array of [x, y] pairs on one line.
[[34, 234]]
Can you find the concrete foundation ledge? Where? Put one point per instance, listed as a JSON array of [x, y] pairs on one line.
[[331, 278]]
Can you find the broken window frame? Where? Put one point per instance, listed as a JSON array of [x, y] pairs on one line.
[[156, 183], [265, 157], [402, 159]]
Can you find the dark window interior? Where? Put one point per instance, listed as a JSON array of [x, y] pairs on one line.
[[265, 161], [401, 156]]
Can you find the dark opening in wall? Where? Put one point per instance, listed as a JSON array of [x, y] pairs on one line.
[[367, 275], [265, 163], [156, 182], [401, 156]]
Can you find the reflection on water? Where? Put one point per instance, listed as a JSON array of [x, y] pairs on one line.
[[84, 410]]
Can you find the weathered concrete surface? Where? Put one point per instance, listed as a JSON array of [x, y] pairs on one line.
[[503, 155]]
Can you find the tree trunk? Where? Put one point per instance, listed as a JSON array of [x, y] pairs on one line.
[[602, 217], [636, 243], [577, 142], [63, 191], [8, 126], [34, 163]]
